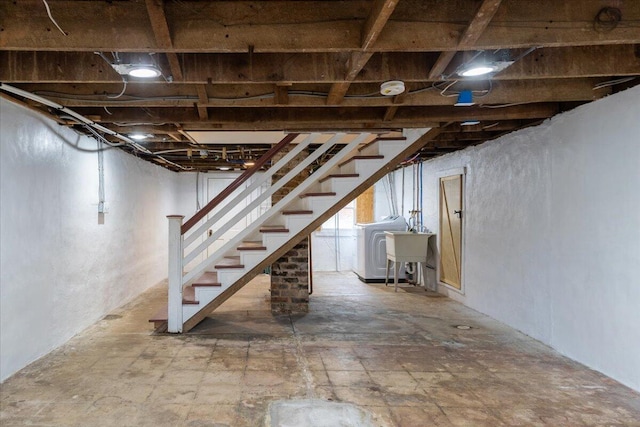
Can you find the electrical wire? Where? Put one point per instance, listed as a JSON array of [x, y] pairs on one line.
[[46, 5], [503, 105], [124, 88], [490, 126], [101, 138], [608, 83], [442, 92]]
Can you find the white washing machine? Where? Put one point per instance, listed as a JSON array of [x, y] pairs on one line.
[[371, 248]]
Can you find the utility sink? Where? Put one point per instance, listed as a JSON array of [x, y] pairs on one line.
[[405, 246]]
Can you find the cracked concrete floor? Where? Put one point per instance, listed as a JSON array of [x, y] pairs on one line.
[[397, 356]]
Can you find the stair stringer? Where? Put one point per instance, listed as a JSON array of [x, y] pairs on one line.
[[248, 275]]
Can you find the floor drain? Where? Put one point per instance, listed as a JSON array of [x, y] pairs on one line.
[[463, 327]]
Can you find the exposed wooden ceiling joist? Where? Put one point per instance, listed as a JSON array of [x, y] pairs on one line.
[[308, 65], [297, 118], [155, 9], [86, 67], [471, 34], [378, 17], [171, 96], [306, 26]]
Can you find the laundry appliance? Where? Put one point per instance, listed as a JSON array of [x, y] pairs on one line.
[[371, 248]]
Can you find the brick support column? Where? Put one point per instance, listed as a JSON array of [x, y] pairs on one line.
[[290, 281], [290, 273]]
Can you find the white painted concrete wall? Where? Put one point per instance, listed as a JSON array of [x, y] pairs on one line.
[[552, 225], [333, 254], [60, 271]]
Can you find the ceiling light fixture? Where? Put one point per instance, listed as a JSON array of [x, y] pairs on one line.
[[470, 123], [224, 168], [476, 70], [249, 163], [139, 136], [143, 71], [391, 88]]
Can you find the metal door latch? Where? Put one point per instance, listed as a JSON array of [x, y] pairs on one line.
[[458, 213]]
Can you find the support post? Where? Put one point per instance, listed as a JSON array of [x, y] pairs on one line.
[[174, 314]]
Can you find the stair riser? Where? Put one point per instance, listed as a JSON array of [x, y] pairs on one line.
[[251, 258], [207, 293], [363, 167], [371, 150], [335, 184], [295, 221], [386, 148], [274, 240], [348, 168], [390, 152], [366, 168], [228, 276]]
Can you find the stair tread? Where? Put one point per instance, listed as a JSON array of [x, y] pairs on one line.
[[229, 262], [317, 194], [297, 212], [209, 278], [339, 175], [189, 295], [162, 315], [252, 246], [274, 229]]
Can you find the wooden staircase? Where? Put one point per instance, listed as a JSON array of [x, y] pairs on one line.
[[361, 163]]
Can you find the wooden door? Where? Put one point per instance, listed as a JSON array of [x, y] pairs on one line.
[[364, 207], [451, 230]]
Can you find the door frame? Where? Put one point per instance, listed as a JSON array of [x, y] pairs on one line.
[[442, 174]]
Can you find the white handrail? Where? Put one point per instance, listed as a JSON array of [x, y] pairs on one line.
[[257, 183], [275, 210]]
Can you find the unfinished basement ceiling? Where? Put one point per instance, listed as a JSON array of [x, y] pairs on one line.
[[301, 66]]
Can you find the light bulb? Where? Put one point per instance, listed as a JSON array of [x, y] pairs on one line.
[[145, 72], [477, 71]]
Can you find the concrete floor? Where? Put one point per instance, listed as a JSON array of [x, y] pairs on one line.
[[396, 357]]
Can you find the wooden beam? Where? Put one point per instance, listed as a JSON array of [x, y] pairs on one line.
[[281, 95], [378, 17], [390, 113], [203, 101], [445, 58], [155, 10], [393, 109], [476, 27], [296, 118], [76, 67], [380, 13], [480, 22], [309, 26], [176, 95], [338, 91]]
